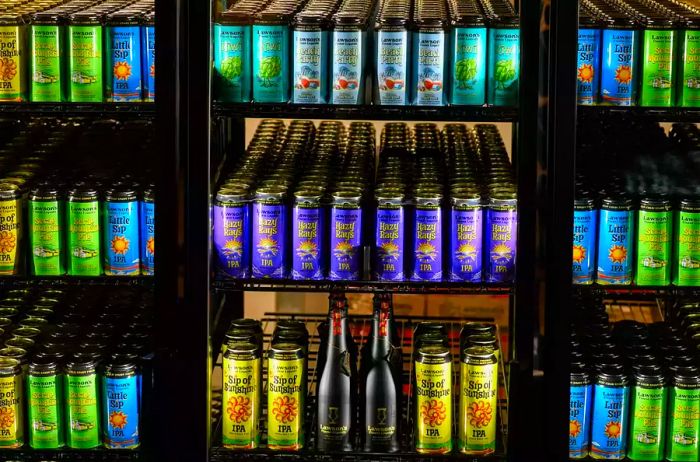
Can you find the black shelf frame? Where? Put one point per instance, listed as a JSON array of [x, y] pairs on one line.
[[73, 455], [70, 281], [72, 109], [661, 114]]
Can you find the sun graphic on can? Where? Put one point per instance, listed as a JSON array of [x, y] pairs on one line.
[[284, 408], [425, 251], [120, 245], [574, 428], [122, 70], [579, 253], [388, 251], [479, 414], [623, 74], [239, 409], [7, 241], [267, 247], [586, 73], [501, 252], [152, 71], [117, 419], [433, 412], [233, 247], [307, 250], [151, 245], [617, 254], [613, 429], [343, 250], [7, 417], [465, 252]]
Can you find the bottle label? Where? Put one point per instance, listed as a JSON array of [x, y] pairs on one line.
[[609, 426], [85, 64], [11, 229], [469, 66], [147, 223], [269, 240], [430, 68], [125, 64], [390, 243], [588, 66], [270, 64], [658, 68], [579, 420], [427, 238], [11, 412], [11, 64], [466, 241], [84, 257], [501, 239], [83, 411], [346, 243], [121, 238], [310, 62], [285, 402], [647, 423], [690, 80], [45, 411], [347, 67], [654, 248], [683, 424], [45, 238], [688, 248], [149, 63], [618, 80], [232, 64], [585, 227], [614, 239], [478, 408], [307, 242], [45, 61], [241, 403], [231, 239], [121, 412], [433, 406], [504, 66], [392, 60]]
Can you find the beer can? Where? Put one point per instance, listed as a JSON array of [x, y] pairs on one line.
[[683, 431], [45, 383], [242, 396], [433, 410], [11, 403], [478, 401], [286, 395], [121, 402], [82, 402], [647, 414]]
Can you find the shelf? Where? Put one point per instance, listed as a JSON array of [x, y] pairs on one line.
[[222, 454], [269, 285], [77, 108], [369, 112], [71, 281], [69, 455], [661, 114]]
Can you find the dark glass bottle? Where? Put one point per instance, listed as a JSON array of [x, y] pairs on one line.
[[337, 387], [381, 382]]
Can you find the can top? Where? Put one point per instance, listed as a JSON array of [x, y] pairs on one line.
[[44, 192], [690, 204], [124, 17], [9, 366], [285, 348], [242, 348], [438, 353], [232, 194], [83, 193], [479, 352], [121, 192], [9, 191], [648, 375], [81, 363], [43, 363], [655, 204], [248, 324], [86, 17], [290, 324], [119, 364], [687, 375], [617, 203]]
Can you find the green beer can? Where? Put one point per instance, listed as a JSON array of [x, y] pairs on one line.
[[647, 414], [45, 403], [45, 59], [658, 64], [689, 81], [45, 231], [85, 59], [82, 402], [687, 240], [11, 404], [83, 221], [655, 226], [684, 416]]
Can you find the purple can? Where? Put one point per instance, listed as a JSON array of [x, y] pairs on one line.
[[307, 235], [501, 237], [269, 238], [466, 234], [389, 237], [232, 232], [346, 236], [427, 238]]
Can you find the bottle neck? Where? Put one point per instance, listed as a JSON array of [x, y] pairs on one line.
[[382, 325], [337, 326]]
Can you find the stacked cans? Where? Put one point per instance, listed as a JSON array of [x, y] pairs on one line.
[[469, 51], [64, 388], [393, 47], [80, 51], [80, 224], [634, 387], [429, 53], [504, 53]]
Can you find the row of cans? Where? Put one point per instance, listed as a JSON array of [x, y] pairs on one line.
[[99, 224], [425, 53], [60, 387], [338, 229], [79, 51], [638, 52], [635, 388]]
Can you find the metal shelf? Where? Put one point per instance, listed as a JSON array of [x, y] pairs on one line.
[[222, 454], [70, 281], [661, 114], [637, 291], [70, 455], [77, 108], [369, 112], [271, 285]]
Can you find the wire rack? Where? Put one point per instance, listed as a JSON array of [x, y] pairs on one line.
[[641, 311], [360, 327]]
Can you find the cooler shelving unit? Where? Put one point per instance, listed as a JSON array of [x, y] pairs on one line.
[[218, 128]]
